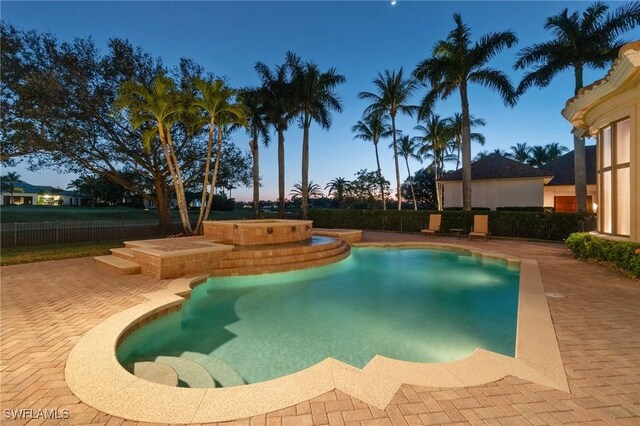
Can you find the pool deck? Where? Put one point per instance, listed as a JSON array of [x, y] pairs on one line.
[[47, 307]]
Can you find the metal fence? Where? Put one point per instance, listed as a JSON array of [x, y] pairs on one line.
[[40, 233]]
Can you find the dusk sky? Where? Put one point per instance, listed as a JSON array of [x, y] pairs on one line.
[[358, 38]]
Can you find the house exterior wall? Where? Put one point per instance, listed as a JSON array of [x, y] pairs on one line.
[[496, 193], [552, 191]]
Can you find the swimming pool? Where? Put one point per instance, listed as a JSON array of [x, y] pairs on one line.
[[407, 304]]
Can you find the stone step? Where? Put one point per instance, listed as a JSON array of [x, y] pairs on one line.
[[126, 267], [288, 250], [189, 372], [328, 251], [123, 253], [154, 372], [217, 368]]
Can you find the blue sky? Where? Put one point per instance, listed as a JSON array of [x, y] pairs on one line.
[[358, 38]]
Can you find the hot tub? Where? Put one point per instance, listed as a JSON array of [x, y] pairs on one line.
[[264, 231]]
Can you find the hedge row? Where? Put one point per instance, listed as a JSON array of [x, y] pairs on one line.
[[624, 254], [530, 225]]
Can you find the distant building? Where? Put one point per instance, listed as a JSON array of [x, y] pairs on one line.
[[26, 194]]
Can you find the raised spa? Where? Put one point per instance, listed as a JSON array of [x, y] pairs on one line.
[[252, 232], [417, 305]]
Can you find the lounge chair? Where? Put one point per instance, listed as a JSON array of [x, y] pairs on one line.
[[435, 222], [480, 227]]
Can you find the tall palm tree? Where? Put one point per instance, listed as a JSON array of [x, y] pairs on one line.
[[393, 95], [257, 128], [456, 123], [156, 109], [315, 98], [313, 189], [372, 128], [538, 156], [408, 148], [279, 110], [217, 101], [555, 150], [339, 187], [8, 184], [435, 136], [90, 184], [481, 155], [456, 63], [590, 40], [501, 152], [519, 152]]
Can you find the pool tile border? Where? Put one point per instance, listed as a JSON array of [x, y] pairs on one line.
[[95, 376]]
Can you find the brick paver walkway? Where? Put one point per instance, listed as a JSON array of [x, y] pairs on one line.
[[47, 306]]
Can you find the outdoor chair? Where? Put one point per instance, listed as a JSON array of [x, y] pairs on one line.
[[480, 227], [435, 222]]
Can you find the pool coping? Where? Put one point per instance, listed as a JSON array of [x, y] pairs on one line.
[[95, 376]]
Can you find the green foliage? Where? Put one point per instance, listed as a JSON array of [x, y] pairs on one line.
[[623, 254], [529, 225]]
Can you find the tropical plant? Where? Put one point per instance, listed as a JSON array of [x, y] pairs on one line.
[[372, 128], [590, 39], [313, 189], [393, 94], [456, 124], [257, 128], [424, 185], [519, 152], [366, 187], [538, 156], [315, 97], [457, 62], [155, 109], [435, 137], [555, 150], [217, 101], [339, 187], [280, 109], [500, 152], [89, 184], [481, 155], [8, 183], [408, 148]]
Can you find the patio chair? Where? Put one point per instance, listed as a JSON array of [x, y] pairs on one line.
[[435, 222], [480, 227]]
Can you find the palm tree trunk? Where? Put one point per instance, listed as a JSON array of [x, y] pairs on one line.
[[579, 160], [384, 199], [466, 150], [214, 178], [179, 185], [458, 143], [305, 168], [205, 182], [160, 186], [413, 194], [395, 158], [281, 172], [438, 186], [256, 176]]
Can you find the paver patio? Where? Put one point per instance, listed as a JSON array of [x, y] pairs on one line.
[[46, 307]]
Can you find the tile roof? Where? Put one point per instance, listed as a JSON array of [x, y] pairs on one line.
[[562, 168], [495, 166], [35, 189]]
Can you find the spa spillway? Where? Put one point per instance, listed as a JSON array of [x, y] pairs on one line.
[[254, 232]]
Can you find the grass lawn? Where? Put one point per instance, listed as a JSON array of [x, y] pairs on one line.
[[17, 255], [10, 214]]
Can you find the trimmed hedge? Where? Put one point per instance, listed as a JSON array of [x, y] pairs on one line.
[[623, 254], [529, 225]]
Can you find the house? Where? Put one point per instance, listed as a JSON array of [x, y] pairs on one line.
[[609, 110], [497, 181], [25, 194], [560, 192]]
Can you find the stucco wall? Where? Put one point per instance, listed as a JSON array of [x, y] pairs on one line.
[[566, 191], [497, 193]]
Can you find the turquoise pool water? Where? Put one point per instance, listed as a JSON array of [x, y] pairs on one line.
[[411, 304]]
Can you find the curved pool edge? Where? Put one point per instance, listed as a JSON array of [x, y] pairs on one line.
[[95, 376]]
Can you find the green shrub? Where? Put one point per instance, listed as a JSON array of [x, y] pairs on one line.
[[620, 253], [530, 225]]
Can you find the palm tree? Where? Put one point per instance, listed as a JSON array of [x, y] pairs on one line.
[[501, 152], [590, 40], [408, 147], [435, 138], [456, 63], [279, 111], [519, 152], [456, 124], [313, 189], [9, 184], [538, 156], [340, 187], [156, 109], [216, 100], [257, 129], [315, 98], [393, 95], [90, 184], [372, 128], [481, 155], [555, 150]]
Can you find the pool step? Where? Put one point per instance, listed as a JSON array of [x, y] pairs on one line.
[[154, 372], [217, 368], [189, 372], [123, 253], [124, 266]]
